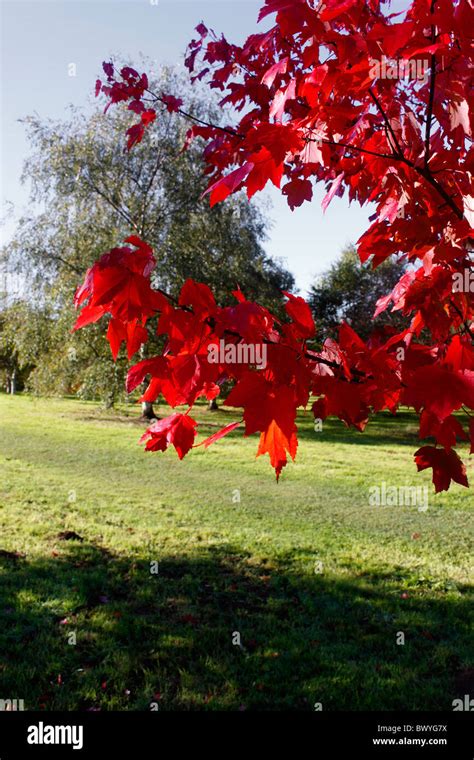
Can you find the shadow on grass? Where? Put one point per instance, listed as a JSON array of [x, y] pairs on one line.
[[382, 430], [170, 639]]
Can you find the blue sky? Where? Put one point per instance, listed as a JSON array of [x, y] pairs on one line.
[[40, 39]]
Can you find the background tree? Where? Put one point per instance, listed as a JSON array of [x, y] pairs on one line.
[[349, 290], [24, 334], [91, 194]]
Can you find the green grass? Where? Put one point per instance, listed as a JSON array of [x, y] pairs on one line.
[[225, 566]]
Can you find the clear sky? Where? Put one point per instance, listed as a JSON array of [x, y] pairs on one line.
[[39, 39]]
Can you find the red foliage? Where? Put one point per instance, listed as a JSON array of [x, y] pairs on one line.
[[324, 99]]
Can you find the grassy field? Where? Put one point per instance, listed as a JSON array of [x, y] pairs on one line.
[[318, 583]]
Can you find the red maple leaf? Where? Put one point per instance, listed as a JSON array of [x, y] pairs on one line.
[[446, 466], [178, 430]]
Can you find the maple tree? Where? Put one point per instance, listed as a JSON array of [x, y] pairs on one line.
[[317, 105]]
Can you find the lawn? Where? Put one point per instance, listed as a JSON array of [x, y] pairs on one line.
[[317, 583]]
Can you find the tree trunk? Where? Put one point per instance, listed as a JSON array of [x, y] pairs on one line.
[[213, 405], [147, 411], [13, 383], [109, 401]]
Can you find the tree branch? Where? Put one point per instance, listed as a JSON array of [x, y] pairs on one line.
[[110, 201], [396, 145], [355, 147], [460, 314], [429, 114], [397, 154], [190, 117]]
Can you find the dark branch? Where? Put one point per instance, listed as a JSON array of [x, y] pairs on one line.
[[429, 114], [396, 145]]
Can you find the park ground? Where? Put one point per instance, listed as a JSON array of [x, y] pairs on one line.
[[155, 568]]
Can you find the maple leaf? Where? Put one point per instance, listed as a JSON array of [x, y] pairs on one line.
[[135, 135], [178, 430], [220, 434], [445, 432], [278, 68], [333, 8], [278, 105], [446, 466], [439, 390], [459, 116], [275, 6], [148, 117], [199, 296], [132, 333], [279, 139], [299, 311], [298, 191], [172, 104], [264, 168], [310, 85], [332, 192], [222, 188], [119, 284], [275, 442], [157, 367], [270, 411]]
